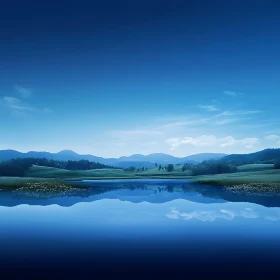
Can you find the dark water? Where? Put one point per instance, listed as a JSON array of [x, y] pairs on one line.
[[140, 229]]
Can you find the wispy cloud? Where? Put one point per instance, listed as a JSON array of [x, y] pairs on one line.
[[175, 124], [210, 108], [232, 93], [24, 92], [227, 121], [271, 131], [18, 106], [191, 122], [273, 137], [211, 140], [201, 119], [218, 119], [235, 113]]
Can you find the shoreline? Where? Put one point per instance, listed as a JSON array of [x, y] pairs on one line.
[[229, 180]]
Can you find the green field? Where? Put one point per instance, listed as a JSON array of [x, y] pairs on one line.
[[264, 176], [254, 167], [50, 172]]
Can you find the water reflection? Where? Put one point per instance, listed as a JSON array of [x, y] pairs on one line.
[[119, 223], [212, 215], [136, 191]]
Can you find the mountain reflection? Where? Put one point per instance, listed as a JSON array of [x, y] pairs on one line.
[[152, 191]]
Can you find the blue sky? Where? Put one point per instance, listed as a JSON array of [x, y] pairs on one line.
[[114, 78]]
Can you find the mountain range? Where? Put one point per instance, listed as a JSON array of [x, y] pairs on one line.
[[136, 160]]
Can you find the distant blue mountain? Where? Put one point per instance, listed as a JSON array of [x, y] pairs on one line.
[[9, 154], [136, 160]]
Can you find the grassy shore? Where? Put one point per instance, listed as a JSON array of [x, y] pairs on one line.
[[48, 189], [239, 178], [18, 182], [257, 189]]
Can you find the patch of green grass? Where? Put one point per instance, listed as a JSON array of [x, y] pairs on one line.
[[265, 176], [254, 167], [50, 172]]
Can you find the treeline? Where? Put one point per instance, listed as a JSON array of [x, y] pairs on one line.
[[209, 167], [169, 168], [18, 167]]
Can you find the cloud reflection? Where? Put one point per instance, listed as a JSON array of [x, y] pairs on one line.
[[212, 215]]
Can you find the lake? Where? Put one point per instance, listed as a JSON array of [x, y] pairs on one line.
[[139, 229]]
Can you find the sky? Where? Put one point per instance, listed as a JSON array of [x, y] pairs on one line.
[[116, 78]]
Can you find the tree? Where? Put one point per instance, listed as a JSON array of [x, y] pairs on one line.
[[170, 167], [277, 164], [131, 168], [160, 167], [187, 166], [184, 168], [156, 165]]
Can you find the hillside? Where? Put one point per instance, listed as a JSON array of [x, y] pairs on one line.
[[265, 156], [203, 157]]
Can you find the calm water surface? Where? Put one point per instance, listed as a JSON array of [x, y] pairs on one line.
[[136, 229]]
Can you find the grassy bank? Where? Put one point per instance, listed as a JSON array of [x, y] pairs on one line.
[[264, 176]]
